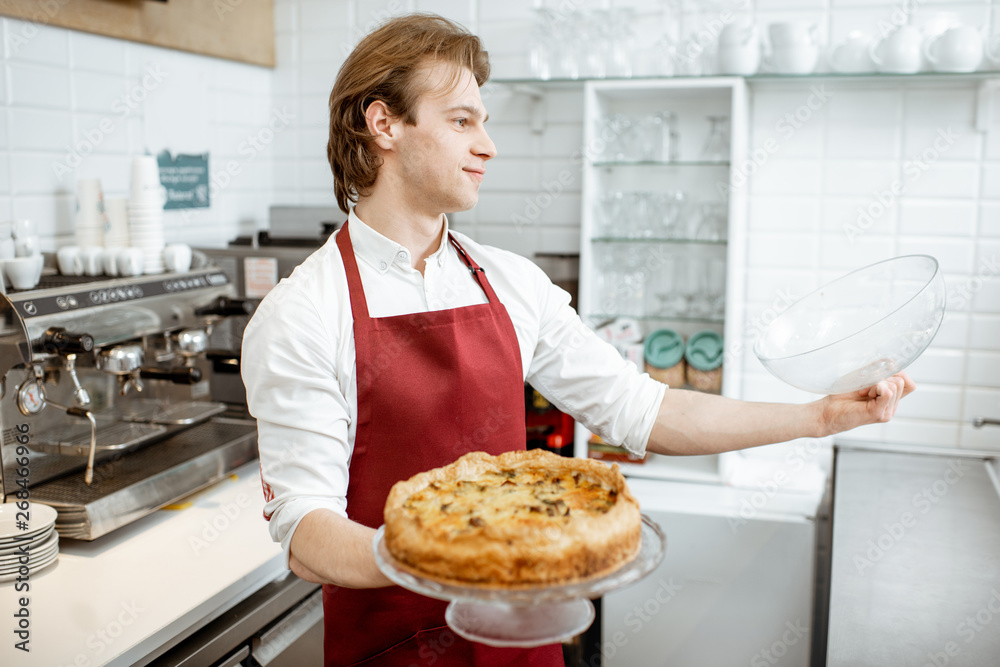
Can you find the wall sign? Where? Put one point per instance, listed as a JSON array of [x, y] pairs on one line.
[[186, 179]]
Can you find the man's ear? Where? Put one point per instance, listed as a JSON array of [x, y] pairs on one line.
[[381, 124]]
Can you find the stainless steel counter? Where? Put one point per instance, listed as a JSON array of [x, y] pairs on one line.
[[915, 577]]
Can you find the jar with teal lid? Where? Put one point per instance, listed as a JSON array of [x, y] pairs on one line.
[[704, 355], [664, 354]]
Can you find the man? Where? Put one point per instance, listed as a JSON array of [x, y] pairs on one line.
[[400, 345]]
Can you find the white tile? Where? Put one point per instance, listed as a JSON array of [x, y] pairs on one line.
[[790, 177], [856, 216], [931, 402], [987, 257], [929, 144], [313, 142], [561, 106], [96, 53], [983, 369], [944, 104], [802, 141], [316, 79], [930, 217], [559, 140], [506, 174], [52, 212], [784, 214], [330, 47], [938, 366], [286, 17], [33, 129], [985, 293], [558, 176], [371, 14], [515, 141], [457, 10], [989, 219], [991, 180], [559, 239], [954, 255], [506, 38], [984, 332], [953, 332], [871, 106], [32, 85], [321, 14], [313, 111], [854, 251], [34, 174], [36, 42], [490, 10], [987, 438], [523, 242], [782, 250], [981, 403], [778, 288], [920, 432], [855, 140], [941, 179], [99, 92], [860, 177], [315, 174]]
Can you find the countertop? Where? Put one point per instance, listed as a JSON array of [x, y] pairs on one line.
[[915, 575], [118, 598]]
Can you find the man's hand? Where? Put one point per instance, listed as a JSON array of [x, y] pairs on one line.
[[874, 405]]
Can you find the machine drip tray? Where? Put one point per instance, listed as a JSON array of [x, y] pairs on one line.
[[130, 486], [162, 412]]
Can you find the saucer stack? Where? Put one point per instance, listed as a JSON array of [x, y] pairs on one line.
[[145, 212], [91, 219], [34, 544]]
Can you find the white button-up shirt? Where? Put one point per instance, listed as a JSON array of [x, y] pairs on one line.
[[298, 360]]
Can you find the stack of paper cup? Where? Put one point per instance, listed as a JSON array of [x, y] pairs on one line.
[[116, 235], [91, 220], [145, 212]]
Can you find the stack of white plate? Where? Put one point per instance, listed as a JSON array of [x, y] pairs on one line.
[[145, 212], [91, 219], [36, 540]]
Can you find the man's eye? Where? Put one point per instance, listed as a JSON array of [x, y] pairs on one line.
[[460, 121]]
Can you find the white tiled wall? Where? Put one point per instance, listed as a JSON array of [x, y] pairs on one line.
[[74, 106], [60, 84]]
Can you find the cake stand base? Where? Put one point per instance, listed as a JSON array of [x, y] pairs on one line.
[[498, 624]]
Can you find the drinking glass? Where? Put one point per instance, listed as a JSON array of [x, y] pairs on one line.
[[717, 145], [713, 222], [716, 287]]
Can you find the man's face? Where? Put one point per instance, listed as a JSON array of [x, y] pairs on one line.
[[442, 158]]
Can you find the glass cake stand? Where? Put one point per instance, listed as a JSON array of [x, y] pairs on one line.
[[525, 617]]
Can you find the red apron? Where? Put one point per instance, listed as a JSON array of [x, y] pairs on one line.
[[431, 387]]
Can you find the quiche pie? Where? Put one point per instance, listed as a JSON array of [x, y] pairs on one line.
[[520, 519]]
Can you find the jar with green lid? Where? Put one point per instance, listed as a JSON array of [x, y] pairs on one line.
[[664, 353], [704, 355]]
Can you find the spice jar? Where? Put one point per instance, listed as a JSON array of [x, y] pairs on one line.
[[664, 353], [704, 354]]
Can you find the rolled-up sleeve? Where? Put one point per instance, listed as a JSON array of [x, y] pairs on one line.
[[303, 418], [587, 378]]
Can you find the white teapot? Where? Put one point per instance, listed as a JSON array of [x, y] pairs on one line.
[[739, 47], [852, 55], [957, 49], [899, 52]]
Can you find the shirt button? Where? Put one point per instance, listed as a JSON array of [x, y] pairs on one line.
[[382, 266], [401, 255]]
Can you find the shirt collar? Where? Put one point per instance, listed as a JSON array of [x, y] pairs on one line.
[[381, 252]]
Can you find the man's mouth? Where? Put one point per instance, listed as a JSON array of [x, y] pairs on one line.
[[477, 173]]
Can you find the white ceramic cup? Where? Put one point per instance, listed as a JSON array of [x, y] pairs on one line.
[[130, 262], [957, 49], [21, 229], [799, 59], [852, 55], [92, 258], [69, 260], [900, 52], [793, 33], [739, 47], [177, 257], [109, 260], [26, 246], [24, 272], [7, 248]]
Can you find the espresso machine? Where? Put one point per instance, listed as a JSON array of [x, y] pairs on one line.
[[109, 380]]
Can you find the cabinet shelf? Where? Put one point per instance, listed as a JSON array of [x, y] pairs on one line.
[[763, 77], [610, 317], [611, 164], [656, 239]]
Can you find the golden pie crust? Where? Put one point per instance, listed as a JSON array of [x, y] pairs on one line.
[[524, 518]]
